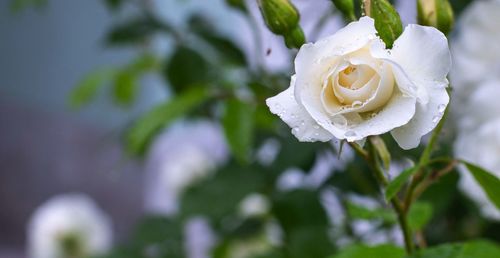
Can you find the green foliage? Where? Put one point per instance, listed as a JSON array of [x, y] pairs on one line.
[[487, 180], [475, 249], [218, 197], [238, 122], [420, 214], [19, 5], [395, 185], [226, 49], [114, 4], [363, 251], [142, 132], [88, 87], [387, 21], [134, 31], [186, 68], [304, 222], [356, 211]]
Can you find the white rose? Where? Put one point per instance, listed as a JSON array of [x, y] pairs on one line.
[[68, 226], [349, 86], [183, 155], [475, 48], [478, 142]]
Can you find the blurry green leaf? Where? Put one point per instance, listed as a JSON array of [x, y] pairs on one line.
[[289, 156], [487, 180], [356, 211], [19, 5], [382, 151], [299, 207], [304, 222], [158, 236], [139, 136], [238, 122], [88, 87], [395, 185], [114, 4], [387, 21], [134, 31], [225, 48], [420, 214], [474, 249], [186, 68], [125, 88], [379, 251], [219, 196]]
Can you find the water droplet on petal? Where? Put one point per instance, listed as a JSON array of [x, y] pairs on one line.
[[435, 119], [441, 108], [350, 135], [316, 127], [296, 129]]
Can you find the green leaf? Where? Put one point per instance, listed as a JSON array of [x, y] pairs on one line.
[[186, 68], [218, 196], [362, 251], [139, 136], [387, 21], [125, 87], [238, 122], [163, 235], [474, 249], [304, 222], [356, 211], [420, 214], [114, 4], [225, 48], [382, 150], [134, 31], [87, 88], [395, 185], [488, 181]]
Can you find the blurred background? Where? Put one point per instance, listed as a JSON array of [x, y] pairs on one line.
[[49, 145]]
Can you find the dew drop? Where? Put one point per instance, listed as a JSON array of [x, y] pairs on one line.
[[441, 108], [295, 129], [350, 135], [316, 127], [435, 119]]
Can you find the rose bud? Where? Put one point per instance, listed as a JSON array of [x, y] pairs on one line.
[[295, 38], [280, 16], [346, 7], [436, 13]]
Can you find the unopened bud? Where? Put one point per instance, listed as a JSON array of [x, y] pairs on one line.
[[280, 16], [346, 7], [436, 13], [295, 38]]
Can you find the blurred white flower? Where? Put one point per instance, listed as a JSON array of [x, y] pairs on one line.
[[186, 153], [200, 238], [476, 55], [478, 141], [68, 225], [253, 205], [349, 86]]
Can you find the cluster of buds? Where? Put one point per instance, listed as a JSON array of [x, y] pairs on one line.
[[282, 18]]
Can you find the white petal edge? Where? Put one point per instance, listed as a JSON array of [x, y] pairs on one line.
[[291, 112], [427, 116], [423, 53]]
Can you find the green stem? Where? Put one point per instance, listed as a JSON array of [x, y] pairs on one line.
[[424, 160], [371, 159]]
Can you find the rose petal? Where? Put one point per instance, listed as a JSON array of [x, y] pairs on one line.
[[423, 54], [426, 118], [303, 126], [398, 111]]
